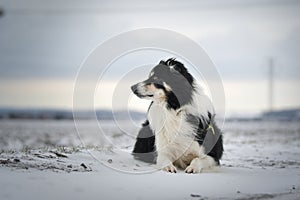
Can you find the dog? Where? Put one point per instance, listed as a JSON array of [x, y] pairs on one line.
[[180, 131]]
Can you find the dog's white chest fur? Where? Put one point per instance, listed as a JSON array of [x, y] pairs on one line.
[[165, 123], [174, 135]]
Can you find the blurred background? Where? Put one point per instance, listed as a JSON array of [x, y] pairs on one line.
[[255, 45]]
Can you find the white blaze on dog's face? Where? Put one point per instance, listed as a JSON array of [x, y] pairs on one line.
[[168, 81]]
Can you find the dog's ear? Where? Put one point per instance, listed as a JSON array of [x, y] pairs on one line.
[[162, 62], [178, 68], [171, 61], [174, 64]]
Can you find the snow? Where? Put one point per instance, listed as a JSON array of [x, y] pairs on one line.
[[46, 160]]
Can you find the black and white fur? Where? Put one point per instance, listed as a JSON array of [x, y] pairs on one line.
[[180, 131]]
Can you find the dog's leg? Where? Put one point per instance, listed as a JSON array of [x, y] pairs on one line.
[[197, 164], [164, 162]]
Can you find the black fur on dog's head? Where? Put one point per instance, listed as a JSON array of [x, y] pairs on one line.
[[169, 81]]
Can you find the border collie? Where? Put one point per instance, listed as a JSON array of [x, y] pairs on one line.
[[180, 131]]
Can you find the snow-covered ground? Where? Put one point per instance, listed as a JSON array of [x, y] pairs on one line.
[[46, 160]]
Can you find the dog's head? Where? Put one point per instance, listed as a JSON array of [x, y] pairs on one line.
[[168, 81]]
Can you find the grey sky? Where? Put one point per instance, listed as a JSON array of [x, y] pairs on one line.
[[49, 39]]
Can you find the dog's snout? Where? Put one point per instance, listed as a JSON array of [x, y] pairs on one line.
[[134, 88]]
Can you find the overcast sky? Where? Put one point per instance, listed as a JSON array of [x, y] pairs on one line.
[[42, 44]]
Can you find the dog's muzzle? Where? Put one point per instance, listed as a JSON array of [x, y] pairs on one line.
[[134, 89], [137, 92]]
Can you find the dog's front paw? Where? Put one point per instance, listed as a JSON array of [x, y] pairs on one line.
[[192, 169], [170, 168]]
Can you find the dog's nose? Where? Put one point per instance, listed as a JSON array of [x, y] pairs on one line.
[[134, 88]]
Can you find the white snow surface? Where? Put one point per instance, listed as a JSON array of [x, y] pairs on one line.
[[47, 160]]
